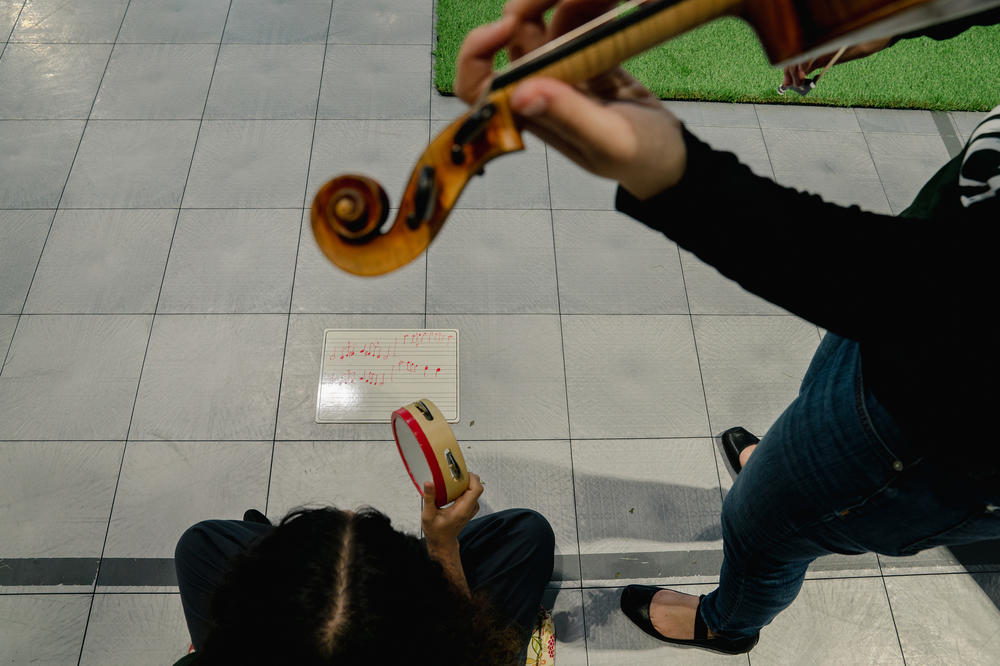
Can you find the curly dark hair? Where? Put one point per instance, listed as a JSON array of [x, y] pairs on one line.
[[338, 587]]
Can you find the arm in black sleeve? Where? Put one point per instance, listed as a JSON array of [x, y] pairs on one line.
[[850, 271]]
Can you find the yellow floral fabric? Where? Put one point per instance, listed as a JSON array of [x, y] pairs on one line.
[[542, 648]]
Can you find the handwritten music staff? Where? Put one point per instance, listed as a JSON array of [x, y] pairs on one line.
[[366, 374]]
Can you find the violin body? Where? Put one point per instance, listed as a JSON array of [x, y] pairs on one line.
[[349, 212]]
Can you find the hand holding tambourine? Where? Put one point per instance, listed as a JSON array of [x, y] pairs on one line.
[[430, 451]]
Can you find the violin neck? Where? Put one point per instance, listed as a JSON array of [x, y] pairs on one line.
[[584, 53]]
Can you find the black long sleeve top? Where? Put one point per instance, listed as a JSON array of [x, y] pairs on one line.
[[916, 291]]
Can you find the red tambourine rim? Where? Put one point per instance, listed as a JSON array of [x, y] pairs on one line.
[[440, 491]]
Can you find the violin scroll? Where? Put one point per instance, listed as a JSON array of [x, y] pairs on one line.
[[349, 212], [352, 207]]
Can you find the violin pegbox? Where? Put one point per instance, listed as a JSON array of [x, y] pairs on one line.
[[349, 212]]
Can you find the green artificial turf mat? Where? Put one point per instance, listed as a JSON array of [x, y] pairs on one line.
[[724, 62]]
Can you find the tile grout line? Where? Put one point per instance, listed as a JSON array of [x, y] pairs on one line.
[[13, 28], [152, 321], [62, 192], [892, 614], [701, 377], [133, 589], [772, 315], [121, 462], [153, 578], [767, 151], [948, 133], [868, 147], [295, 268], [569, 420], [224, 43]]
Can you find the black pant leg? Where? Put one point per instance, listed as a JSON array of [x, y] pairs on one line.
[[509, 554], [201, 559]]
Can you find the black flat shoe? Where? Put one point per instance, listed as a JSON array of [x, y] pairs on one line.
[[255, 516], [734, 441], [635, 604]]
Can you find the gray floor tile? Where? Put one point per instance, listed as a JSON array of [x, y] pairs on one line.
[[947, 619], [567, 614], [532, 475], [9, 11], [638, 496], [320, 286], [210, 377], [55, 497], [512, 380], [493, 262], [575, 188], [22, 235], [967, 121], [102, 261], [48, 386], [609, 263], [35, 157], [300, 377], [752, 367], [50, 81], [376, 82], [746, 143], [844, 566], [250, 164], [844, 621], [319, 474], [166, 487], [271, 22], [95, 21], [445, 107], [612, 639], [797, 117], [235, 261], [978, 557], [714, 113], [835, 165], [130, 629], [515, 181], [934, 560], [156, 82], [381, 22], [168, 21], [643, 369], [131, 164], [710, 292], [896, 120], [385, 150], [905, 162], [254, 81], [42, 629]]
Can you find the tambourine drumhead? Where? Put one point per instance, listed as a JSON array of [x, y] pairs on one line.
[[430, 451]]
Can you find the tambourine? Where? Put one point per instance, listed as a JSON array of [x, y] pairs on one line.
[[430, 451]]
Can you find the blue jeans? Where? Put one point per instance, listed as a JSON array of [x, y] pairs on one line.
[[833, 475]]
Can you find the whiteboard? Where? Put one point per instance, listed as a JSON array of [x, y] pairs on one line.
[[367, 374]]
